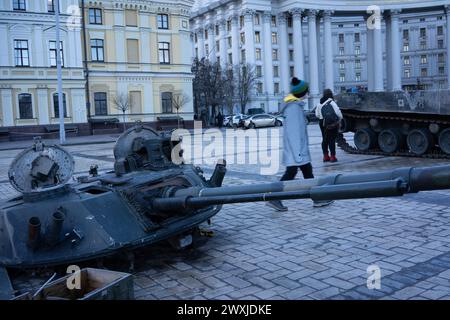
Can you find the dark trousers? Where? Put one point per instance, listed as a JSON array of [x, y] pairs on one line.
[[328, 139], [291, 172]]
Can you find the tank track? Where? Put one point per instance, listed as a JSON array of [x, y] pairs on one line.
[[344, 145]]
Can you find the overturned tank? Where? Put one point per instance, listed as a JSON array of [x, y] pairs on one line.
[[148, 198], [415, 123]]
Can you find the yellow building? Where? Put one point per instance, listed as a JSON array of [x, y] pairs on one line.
[[140, 53]]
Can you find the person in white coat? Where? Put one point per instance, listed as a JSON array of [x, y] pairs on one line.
[[329, 135], [296, 153]]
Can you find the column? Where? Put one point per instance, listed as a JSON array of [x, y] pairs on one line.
[[200, 42], [249, 36], [235, 38], [370, 61], [268, 62], [7, 107], [284, 52], [4, 58], [299, 60], [448, 46], [328, 50], [396, 71], [211, 42], [119, 33], [42, 107], [313, 61], [378, 58], [223, 42]]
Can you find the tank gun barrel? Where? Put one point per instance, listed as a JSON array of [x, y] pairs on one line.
[[333, 187]]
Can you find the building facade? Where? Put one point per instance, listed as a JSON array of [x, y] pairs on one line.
[[332, 44], [122, 50]]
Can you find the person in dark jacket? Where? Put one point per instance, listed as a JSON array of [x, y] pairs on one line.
[[296, 153], [329, 135]]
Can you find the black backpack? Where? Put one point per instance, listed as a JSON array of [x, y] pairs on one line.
[[330, 118]]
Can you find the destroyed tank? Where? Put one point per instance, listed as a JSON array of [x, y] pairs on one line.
[[415, 123], [150, 196]]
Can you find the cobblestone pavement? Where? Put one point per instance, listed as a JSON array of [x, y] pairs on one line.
[[306, 252]]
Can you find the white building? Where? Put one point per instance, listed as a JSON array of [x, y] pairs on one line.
[[330, 43], [28, 64]]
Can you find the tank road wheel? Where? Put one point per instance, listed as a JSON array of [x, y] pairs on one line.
[[420, 141], [444, 141], [365, 139], [390, 140]]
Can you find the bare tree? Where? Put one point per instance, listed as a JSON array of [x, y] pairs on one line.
[[122, 102], [245, 81], [179, 101], [229, 88]]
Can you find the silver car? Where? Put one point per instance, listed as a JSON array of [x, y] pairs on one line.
[[262, 120]]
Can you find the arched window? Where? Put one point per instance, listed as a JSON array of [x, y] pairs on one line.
[[25, 106], [166, 102], [56, 105]]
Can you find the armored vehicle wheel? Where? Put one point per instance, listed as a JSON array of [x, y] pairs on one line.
[[365, 139], [419, 141], [444, 141], [390, 140]]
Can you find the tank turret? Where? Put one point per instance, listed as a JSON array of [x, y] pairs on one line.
[[148, 198]]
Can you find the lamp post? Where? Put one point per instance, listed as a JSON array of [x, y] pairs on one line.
[[62, 132]]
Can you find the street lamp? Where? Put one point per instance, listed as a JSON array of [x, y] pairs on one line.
[[62, 132]]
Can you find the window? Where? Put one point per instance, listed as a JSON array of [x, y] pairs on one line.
[[342, 65], [217, 46], [340, 26], [132, 51], [52, 54], [407, 73], [356, 25], [258, 71], [341, 37], [357, 50], [101, 106], [229, 25], [274, 38], [423, 72], [358, 64], [206, 34], [423, 45], [405, 21], [406, 47], [422, 19], [289, 21], [97, 50], [291, 72], [406, 61], [276, 88], [291, 55], [163, 21], [291, 38], [25, 106], [441, 58], [216, 29], [242, 38], [131, 18], [56, 105], [439, 18], [342, 77], [164, 52], [95, 16], [423, 32], [274, 21], [243, 58], [358, 76], [406, 34], [441, 71], [274, 54], [275, 71], [207, 50], [50, 5], [258, 54], [230, 42], [19, 5], [257, 20], [341, 51], [166, 102], [440, 31], [230, 58], [196, 38], [259, 87], [21, 55], [423, 59], [440, 44], [357, 37], [241, 21], [257, 37]]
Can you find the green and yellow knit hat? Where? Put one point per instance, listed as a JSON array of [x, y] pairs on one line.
[[299, 88]]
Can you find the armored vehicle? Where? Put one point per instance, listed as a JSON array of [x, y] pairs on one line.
[[150, 196], [399, 123]]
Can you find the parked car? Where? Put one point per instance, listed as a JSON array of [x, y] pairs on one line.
[[227, 121], [262, 120], [236, 120]]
